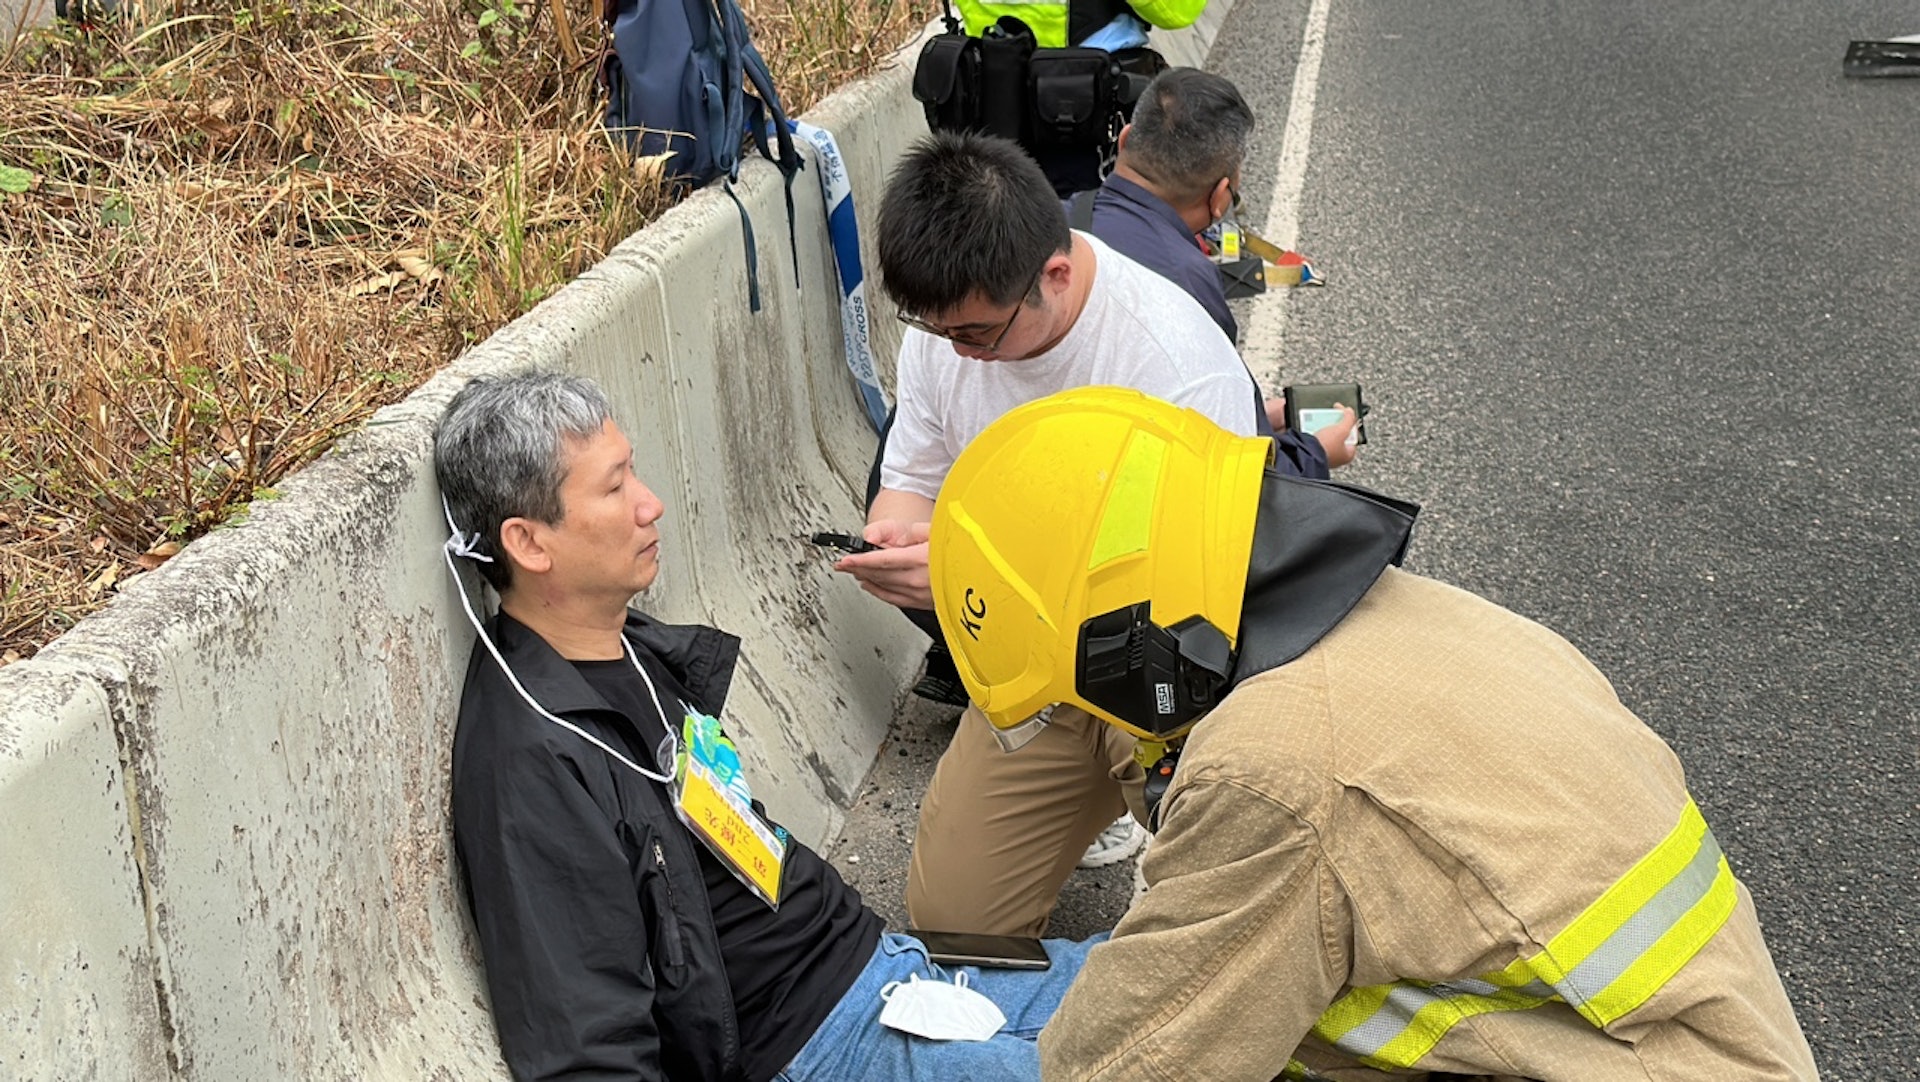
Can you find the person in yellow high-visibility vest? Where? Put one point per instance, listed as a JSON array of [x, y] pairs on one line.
[[1112, 25], [1406, 830], [1059, 23]]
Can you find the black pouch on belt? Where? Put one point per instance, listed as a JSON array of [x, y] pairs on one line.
[[1137, 66], [1004, 51], [1073, 96], [946, 80]]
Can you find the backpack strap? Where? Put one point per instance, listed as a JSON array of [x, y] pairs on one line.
[[788, 160], [749, 115], [753, 251], [733, 37]]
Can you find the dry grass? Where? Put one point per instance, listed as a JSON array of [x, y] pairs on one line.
[[245, 227]]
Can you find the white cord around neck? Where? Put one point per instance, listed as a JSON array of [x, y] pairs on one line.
[[667, 753]]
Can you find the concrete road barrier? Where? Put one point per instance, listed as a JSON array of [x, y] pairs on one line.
[[77, 979], [225, 796]]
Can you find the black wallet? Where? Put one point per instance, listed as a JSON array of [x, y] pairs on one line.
[[1325, 396], [1246, 277]]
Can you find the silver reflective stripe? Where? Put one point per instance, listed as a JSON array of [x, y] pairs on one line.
[[1471, 986], [1404, 1001], [1642, 930], [1615, 955], [1391, 1020], [1637, 937]]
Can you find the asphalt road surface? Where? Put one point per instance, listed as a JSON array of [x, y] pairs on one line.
[[1634, 290]]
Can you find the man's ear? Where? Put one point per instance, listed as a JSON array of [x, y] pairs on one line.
[[520, 541], [1120, 144], [1057, 273], [1220, 195]]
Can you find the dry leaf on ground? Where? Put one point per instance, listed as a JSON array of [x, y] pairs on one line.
[[419, 269], [103, 580], [158, 554], [378, 283]]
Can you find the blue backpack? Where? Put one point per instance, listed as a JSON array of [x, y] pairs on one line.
[[676, 78]]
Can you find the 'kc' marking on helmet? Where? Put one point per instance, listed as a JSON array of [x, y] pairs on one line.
[[975, 610]]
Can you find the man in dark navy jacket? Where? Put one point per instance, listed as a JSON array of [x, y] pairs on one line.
[[1177, 174], [617, 943]]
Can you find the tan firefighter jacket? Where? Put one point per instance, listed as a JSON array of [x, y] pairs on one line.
[[1435, 841]]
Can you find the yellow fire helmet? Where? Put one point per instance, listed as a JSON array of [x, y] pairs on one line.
[[1091, 548]]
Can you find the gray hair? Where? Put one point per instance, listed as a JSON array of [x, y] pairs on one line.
[[500, 452], [1190, 129]]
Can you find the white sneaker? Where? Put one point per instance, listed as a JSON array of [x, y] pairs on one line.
[[1115, 844]]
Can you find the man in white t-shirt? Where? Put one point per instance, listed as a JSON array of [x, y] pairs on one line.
[[1005, 305], [1117, 323]]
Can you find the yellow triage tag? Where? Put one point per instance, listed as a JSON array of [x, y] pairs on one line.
[[1230, 242], [726, 823]]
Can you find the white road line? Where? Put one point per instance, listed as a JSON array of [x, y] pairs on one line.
[[1267, 322]]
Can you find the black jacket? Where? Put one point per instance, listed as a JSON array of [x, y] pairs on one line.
[[601, 955]]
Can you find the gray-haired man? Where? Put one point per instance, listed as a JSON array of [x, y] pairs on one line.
[[619, 944]]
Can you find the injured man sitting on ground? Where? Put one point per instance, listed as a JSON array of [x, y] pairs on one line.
[[618, 943]]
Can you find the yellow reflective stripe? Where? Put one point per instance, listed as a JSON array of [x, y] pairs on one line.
[[1652, 921], [1686, 937], [1612, 958], [1437, 1008], [1126, 523], [1046, 18], [1625, 898], [1350, 1011], [1411, 1017]]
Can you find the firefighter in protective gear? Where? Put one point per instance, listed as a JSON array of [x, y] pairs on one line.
[[1409, 831]]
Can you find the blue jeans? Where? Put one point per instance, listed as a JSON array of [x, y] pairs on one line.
[[852, 1045]]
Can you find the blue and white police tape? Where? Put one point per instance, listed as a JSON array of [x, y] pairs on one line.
[[843, 231]]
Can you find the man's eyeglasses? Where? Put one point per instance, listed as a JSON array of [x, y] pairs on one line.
[[962, 336]]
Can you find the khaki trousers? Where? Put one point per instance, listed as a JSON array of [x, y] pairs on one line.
[[1000, 831]]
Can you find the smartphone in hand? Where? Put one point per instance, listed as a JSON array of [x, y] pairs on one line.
[[1313, 406], [845, 542]]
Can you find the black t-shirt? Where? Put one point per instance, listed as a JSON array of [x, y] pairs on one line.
[[788, 968]]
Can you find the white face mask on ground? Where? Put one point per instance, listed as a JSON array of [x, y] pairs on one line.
[[940, 1011]]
